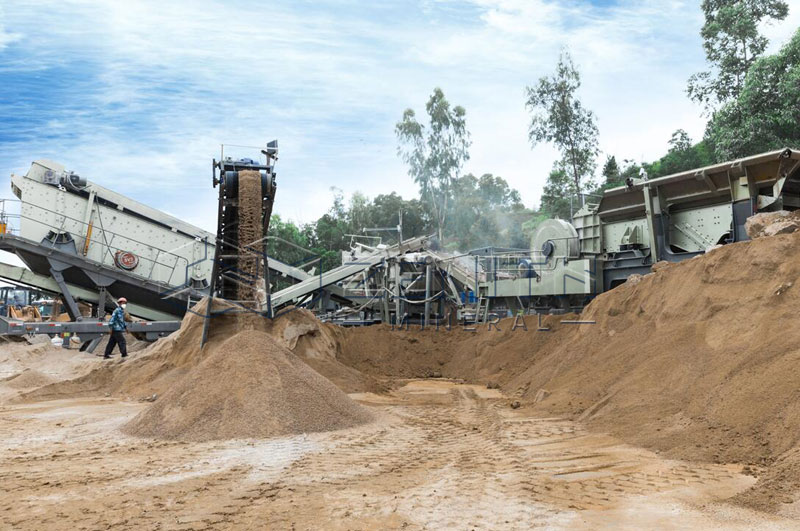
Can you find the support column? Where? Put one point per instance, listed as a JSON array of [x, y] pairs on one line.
[[72, 307], [397, 301], [385, 293], [428, 271], [651, 226], [101, 303]]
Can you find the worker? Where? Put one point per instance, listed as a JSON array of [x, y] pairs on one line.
[[117, 328]]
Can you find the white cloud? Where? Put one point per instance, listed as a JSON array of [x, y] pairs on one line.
[[780, 32], [6, 37], [170, 81]]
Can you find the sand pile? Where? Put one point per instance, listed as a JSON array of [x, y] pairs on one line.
[[26, 366], [319, 345], [27, 379], [249, 387], [245, 382], [156, 369], [700, 360], [147, 372]]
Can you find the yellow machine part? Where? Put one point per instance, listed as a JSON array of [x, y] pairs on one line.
[[29, 314]]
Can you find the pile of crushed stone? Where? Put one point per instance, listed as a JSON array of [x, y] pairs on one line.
[[772, 223], [249, 387]]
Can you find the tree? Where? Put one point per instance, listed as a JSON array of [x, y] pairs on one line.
[[485, 211], [682, 155], [560, 118], [732, 44], [680, 142], [386, 210], [611, 171], [285, 239], [557, 195], [435, 154], [330, 233], [766, 114]]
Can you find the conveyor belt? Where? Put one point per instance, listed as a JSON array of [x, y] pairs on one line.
[[330, 278]]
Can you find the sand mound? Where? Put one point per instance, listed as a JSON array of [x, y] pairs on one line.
[[698, 360], [159, 367], [249, 387], [245, 382], [150, 371], [27, 379]]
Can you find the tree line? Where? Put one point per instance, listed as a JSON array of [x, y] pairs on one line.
[[751, 100]]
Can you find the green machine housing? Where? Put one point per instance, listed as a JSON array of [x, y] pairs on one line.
[[634, 226]]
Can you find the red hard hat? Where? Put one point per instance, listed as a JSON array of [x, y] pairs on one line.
[[122, 300]]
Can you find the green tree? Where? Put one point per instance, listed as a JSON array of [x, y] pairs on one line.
[[732, 43], [285, 238], [360, 214], [682, 155], [386, 210], [557, 195], [560, 118], [485, 211], [680, 142], [766, 115], [611, 171], [435, 154], [330, 233]]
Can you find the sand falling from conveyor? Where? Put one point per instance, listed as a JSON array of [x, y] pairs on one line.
[[251, 229]]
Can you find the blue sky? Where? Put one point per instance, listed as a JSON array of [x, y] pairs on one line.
[[139, 95]]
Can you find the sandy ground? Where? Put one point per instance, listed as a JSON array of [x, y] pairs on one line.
[[443, 455]]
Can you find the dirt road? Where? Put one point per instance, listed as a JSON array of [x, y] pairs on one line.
[[442, 456]]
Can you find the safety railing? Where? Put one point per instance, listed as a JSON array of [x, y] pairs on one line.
[[508, 265]]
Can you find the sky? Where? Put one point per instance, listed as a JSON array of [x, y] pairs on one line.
[[139, 95]]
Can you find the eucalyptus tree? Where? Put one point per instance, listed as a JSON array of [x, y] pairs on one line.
[[559, 117], [435, 153], [732, 42]]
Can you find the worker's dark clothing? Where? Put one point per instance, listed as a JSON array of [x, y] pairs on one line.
[[117, 337], [118, 327]]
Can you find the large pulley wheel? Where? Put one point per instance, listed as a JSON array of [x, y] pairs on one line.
[[555, 238]]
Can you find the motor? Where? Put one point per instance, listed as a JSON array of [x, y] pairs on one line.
[[65, 179], [525, 269]]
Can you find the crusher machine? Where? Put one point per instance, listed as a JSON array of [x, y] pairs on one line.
[[632, 227]]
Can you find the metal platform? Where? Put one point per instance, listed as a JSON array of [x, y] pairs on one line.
[[89, 330]]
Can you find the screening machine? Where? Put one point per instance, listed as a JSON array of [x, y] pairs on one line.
[[80, 233], [83, 241]]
